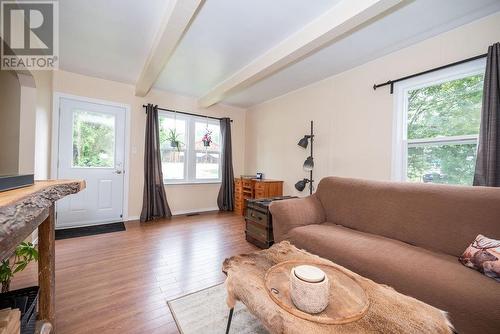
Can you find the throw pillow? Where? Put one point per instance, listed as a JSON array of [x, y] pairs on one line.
[[483, 255]]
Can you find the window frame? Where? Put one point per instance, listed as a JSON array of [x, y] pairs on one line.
[[401, 143], [190, 149]]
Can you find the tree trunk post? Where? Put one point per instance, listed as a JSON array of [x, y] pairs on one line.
[[46, 268]]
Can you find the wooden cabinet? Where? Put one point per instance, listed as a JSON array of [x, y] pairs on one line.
[[252, 188]]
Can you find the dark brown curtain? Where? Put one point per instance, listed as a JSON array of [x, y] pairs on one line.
[[488, 153], [225, 200], [154, 200]]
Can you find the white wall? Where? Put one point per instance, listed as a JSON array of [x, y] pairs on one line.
[[181, 198], [353, 122]]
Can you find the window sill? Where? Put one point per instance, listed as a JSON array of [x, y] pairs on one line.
[[183, 183]]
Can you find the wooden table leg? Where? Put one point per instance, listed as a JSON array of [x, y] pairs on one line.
[[46, 269]]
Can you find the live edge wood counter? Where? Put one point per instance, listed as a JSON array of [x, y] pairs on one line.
[[21, 212]]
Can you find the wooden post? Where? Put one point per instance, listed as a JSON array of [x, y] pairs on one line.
[[46, 269]]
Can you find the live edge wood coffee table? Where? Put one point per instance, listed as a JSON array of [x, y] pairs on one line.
[[357, 304], [24, 210]]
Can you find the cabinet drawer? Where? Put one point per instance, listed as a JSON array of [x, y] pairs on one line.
[[257, 216], [259, 186], [260, 193], [257, 242], [256, 230], [246, 183]]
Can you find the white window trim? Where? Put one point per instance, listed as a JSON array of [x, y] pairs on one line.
[[401, 143], [190, 151]]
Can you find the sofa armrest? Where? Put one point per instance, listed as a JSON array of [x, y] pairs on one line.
[[295, 212]]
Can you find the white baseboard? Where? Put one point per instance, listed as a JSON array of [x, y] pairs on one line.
[[181, 212], [185, 212]]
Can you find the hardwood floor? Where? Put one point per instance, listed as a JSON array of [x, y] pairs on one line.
[[120, 282]]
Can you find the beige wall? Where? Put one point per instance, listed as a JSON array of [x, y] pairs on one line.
[[27, 120], [10, 95], [353, 122], [17, 123], [43, 81], [182, 198]]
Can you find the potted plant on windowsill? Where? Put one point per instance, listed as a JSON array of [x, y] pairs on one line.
[[174, 138], [207, 138]]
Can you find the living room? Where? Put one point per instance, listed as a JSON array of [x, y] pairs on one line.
[[250, 166]]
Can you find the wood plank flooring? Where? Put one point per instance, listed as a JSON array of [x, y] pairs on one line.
[[120, 282]]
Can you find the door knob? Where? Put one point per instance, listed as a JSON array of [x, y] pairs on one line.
[[118, 171]]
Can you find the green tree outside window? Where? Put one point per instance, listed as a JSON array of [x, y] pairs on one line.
[[448, 109]]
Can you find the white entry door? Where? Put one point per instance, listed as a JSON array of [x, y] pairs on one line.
[[91, 147]]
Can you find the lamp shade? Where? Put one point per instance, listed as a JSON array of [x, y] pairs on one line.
[[309, 164], [301, 184], [303, 142]]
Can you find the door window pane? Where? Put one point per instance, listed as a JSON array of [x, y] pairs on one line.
[[451, 108], [207, 165], [93, 139], [451, 163]]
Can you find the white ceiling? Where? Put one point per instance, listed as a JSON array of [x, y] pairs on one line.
[[412, 23], [112, 38], [107, 38], [228, 34]]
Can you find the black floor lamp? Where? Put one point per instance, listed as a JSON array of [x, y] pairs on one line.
[[308, 164]]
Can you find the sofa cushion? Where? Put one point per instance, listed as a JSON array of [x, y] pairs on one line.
[[472, 299], [443, 218]]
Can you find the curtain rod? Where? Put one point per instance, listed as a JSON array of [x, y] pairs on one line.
[[187, 113], [392, 82]]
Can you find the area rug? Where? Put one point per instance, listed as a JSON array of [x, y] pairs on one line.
[[206, 312], [89, 230]]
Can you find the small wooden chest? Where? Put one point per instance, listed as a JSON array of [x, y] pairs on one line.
[[259, 222]]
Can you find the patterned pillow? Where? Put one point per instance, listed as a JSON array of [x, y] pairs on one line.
[[483, 255]]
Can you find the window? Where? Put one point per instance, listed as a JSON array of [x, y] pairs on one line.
[[438, 117], [185, 156]]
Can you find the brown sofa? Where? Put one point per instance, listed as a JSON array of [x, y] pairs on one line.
[[405, 235]]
